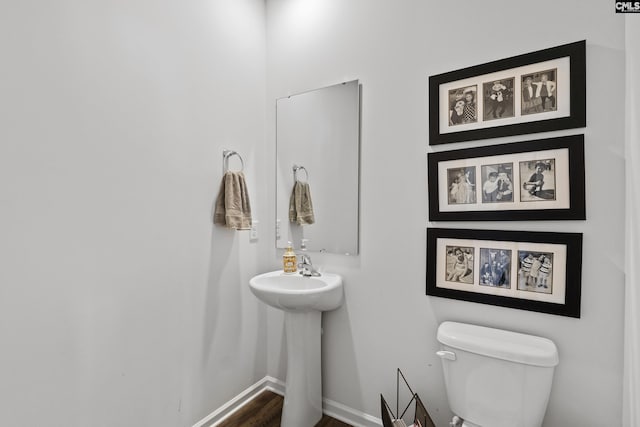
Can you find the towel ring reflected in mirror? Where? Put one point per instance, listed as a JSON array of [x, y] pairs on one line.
[[225, 160], [297, 169]]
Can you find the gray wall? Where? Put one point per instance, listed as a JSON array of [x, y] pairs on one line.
[[387, 321], [120, 303]]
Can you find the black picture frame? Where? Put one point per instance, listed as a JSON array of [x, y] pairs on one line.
[[561, 251], [571, 60], [564, 201]]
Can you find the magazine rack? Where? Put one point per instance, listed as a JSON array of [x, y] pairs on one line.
[[421, 417]]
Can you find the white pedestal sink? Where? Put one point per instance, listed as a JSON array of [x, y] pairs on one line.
[[303, 300]]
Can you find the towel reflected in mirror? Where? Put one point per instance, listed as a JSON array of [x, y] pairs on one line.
[[300, 204]]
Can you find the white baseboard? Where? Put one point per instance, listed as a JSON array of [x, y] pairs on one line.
[[349, 415], [267, 383], [333, 409]]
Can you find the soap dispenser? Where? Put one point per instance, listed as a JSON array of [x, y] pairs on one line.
[[289, 262]]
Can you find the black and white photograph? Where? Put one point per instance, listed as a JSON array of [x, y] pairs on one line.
[[535, 271], [459, 264], [498, 99], [495, 267], [538, 178], [533, 92], [539, 92], [462, 185], [526, 270], [462, 102], [497, 183], [531, 180]]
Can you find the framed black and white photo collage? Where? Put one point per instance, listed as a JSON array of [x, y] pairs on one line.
[[542, 179]]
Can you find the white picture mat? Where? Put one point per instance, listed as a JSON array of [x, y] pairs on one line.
[[563, 96], [559, 272], [562, 190]]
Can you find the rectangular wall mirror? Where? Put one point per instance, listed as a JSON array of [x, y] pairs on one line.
[[318, 143]]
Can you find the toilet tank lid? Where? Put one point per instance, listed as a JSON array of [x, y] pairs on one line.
[[506, 345]]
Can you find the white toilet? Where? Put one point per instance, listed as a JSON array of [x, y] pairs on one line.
[[496, 378]]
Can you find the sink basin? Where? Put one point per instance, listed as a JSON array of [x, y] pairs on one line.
[[303, 299], [294, 292]]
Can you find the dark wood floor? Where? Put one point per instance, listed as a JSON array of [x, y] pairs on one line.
[[265, 410]]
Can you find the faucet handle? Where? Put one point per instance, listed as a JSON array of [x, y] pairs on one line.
[[305, 259]]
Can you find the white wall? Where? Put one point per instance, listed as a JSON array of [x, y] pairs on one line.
[[387, 321], [120, 303]]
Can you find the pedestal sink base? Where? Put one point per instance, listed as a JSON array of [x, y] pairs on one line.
[[303, 394], [303, 299]]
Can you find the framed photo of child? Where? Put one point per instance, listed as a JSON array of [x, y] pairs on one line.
[[535, 271], [535, 92], [532, 180], [462, 104]]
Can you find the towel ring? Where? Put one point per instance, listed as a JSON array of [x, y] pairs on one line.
[[296, 169], [225, 159]]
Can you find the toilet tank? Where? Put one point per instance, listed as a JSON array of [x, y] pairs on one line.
[[496, 378]]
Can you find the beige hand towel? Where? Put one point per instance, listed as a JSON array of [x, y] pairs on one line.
[[233, 209], [300, 205]]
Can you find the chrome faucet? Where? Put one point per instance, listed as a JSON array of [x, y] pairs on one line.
[[306, 267]]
